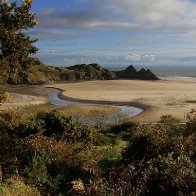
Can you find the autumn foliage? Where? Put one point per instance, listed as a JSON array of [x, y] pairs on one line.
[[74, 159]]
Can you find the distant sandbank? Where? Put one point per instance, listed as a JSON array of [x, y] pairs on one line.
[[175, 96]]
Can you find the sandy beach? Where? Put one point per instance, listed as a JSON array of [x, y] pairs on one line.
[[175, 96]]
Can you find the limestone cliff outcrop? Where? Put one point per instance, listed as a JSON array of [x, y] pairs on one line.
[[131, 73]]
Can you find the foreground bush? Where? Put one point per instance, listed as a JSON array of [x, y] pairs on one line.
[[160, 160], [52, 155], [43, 149], [64, 128]]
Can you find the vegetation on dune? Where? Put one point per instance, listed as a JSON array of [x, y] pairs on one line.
[[50, 154]]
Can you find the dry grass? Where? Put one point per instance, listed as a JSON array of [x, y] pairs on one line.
[[76, 110], [87, 110], [167, 96]]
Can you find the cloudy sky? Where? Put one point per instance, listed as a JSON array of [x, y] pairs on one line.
[[116, 32]]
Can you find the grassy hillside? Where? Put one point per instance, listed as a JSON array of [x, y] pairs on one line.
[[41, 74]]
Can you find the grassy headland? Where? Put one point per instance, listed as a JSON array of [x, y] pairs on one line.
[[44, 74]]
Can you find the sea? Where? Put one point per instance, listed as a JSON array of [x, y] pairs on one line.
[[165, 71]]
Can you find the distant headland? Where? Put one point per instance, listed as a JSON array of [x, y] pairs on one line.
[[44, 74]]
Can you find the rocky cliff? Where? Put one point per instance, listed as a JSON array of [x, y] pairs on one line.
[[131, 73]]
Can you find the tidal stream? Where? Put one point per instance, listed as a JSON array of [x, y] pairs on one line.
[[125, 110]]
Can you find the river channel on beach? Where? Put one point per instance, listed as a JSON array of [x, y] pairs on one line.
[[125, 110]]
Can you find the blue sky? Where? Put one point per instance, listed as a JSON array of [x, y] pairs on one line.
[[116, 32]]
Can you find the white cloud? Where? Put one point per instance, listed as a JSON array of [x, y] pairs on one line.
[[144, 59], [152, 9], [157, 30], [53, 18], [153, 14], [132, 57], [139, 57], [164, 15]]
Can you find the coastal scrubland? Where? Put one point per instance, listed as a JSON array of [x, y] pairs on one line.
[[47, 153]]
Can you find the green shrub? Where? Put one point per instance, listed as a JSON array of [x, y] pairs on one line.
[[151, 140], [36, 170], [52, 163], [16, 187], [64, 128], [11, 120], [53, 153], [10, 141], [168, 119], [159, 160], [124, 127], [100, 139], [191, 124], [57, 150], [123, 130], [32, 126], [171, 175]]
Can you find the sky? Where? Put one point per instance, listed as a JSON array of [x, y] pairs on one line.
[[116, 32]]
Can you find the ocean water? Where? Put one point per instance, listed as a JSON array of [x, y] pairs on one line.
[[166, 71], [174, 71]]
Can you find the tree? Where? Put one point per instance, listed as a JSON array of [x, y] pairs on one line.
[[16, 47]]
